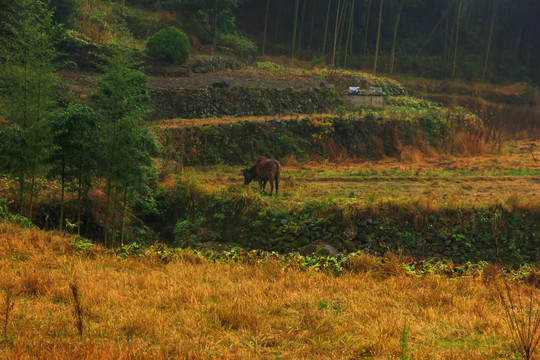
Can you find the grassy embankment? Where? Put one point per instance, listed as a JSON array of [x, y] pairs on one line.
[[181, 305]]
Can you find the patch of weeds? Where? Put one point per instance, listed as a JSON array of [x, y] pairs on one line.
[[408, 239], [149, 205], [131, 250], [460, 238], [255, 224], [341, 110], [81, 244], [186, 230], [268, 65], [328, 304], [405, 343], [6, 215]]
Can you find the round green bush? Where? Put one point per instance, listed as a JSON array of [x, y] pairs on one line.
[[170, 44]]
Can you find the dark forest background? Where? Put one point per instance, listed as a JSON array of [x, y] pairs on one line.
[[425, 41], [491, 40]]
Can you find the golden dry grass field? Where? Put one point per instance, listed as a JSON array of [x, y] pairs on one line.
[[187, 307]]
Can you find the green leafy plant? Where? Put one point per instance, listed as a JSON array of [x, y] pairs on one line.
[[133, 249], [239, 43], [405, 343], [268, 65], [185, 231], [82, 244], [341, 110], [6, 215], [170, 44], [460, 238]]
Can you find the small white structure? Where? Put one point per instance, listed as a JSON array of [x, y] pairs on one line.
[[375, 97]]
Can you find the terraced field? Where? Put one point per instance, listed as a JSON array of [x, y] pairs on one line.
[[444, 181]]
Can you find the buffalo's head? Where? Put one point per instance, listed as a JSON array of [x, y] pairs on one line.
[[248, 176]]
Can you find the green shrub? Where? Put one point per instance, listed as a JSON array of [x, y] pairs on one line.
[[6, 215], [185, 231], [410, 102], [63, 11], [241, 45], [268, 65], [141, 24], [170, 44]]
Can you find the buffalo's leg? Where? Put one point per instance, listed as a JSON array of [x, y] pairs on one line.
[[271, 186], [277, 185], [263, 185]]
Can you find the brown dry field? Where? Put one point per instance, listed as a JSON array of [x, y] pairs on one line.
[[508, 176], [192, 308], [160, 125], [82, 82]]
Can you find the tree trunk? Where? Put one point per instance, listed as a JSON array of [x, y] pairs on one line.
[[452, 33], [21, 193], [336, 33], [341, 29], [446, 30], [311, 28], [32, 184], [79, 190], [296, 7], [124, 210], [457, 37], [348, 45], [300, 33], [25, 98], [278, 18], [214, 27], [326, 28], [432, 32], [265, 25], [113, 218], [393, 54], [490, 38], [378, 39], [367, 26], [107, 210], [63, 180]]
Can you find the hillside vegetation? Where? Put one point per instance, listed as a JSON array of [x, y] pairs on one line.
[[407, 230]]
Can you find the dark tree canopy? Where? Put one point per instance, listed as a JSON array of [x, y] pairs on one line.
[[426, 38]]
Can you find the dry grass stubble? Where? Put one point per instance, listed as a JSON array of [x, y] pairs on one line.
[[197, 309]]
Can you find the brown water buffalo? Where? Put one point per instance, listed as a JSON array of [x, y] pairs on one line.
[[264, 170]]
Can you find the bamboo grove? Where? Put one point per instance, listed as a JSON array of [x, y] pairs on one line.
[[48, 135], [448, 38]]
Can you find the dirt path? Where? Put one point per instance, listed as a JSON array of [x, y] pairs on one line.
[[237, 78], [83, 82]]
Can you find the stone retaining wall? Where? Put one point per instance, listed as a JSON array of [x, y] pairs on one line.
[[238, 101]]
